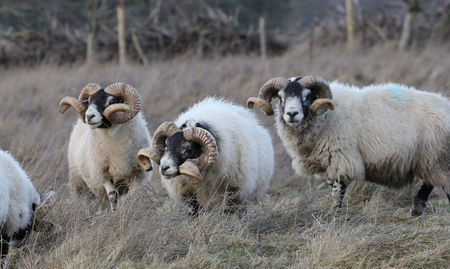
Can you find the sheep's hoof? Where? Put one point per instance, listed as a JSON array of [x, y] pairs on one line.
[[113, 197], [417, 208], [334, 210], [3, 263], [416, 211], [193, 213], [57, 228]]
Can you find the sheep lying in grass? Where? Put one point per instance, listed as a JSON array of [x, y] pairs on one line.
[[215, 151], [21, 208], [387, 134], [104, 142]]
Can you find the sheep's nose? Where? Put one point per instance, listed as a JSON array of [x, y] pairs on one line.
[[292, 114], [165, 168], [89, 117]]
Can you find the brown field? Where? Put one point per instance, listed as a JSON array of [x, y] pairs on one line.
[[285, 230]]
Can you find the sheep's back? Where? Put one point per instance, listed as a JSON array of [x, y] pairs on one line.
[[399, 129]]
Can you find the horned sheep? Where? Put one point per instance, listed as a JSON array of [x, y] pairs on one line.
[[105, 140], [388, 133], [21, 207], [214, 152]]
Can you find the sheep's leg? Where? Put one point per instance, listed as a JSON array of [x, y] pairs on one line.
[[420, 200], [124, 190], [113, 194], [4, 247], [193, 205], [140, 178], [77, 183], [337, 194], [234, 202]]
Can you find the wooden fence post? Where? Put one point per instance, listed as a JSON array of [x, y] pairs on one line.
[[349, 22], [92, 29], [262, 37], [121, 31]]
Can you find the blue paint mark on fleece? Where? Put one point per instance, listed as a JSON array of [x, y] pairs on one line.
[[396, 89]]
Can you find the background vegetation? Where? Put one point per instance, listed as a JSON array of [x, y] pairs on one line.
[[57, 31]]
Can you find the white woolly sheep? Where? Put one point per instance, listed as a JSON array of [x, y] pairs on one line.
[[104, 142], [215, 151], [20, 205], [387, 134]]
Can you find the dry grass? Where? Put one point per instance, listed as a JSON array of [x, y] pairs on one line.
[[285, 230]]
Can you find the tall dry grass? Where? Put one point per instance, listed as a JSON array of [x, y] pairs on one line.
[[285, 230]]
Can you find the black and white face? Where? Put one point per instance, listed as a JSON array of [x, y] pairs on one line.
[[177, 151], [294, 102], [96, 104]]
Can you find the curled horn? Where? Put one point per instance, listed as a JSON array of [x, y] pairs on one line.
[[145, 155], [191, 169], [88, 90], [154, 152], [119, 113], [322, 90], [69, 101], [266, 93], [165, 130], [195, 167]]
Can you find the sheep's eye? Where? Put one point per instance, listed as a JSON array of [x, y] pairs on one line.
[[85, 102], [187, 149]]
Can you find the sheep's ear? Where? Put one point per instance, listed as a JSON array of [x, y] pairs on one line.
[[320, 106]]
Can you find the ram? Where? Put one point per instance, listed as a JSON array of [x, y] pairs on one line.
[[215, 151], [388, 133], [21, 208], [104, 142]]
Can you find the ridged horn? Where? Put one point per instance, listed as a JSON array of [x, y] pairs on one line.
[[195, 167], [69, 101], [319, 103], [154, 152], [145, 155], [164, 130], [191, 169], [266, 93], [320, 87], [88, 90], [119, 113]]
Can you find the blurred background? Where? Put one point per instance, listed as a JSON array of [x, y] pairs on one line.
[[141, 31]]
